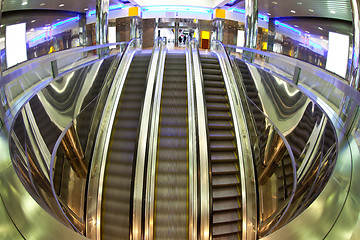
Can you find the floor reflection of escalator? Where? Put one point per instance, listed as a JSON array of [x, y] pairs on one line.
[[171, 191], [115, 215], [226, 190]]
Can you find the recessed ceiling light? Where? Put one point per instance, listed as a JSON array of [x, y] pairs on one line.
[[33, 21], [296, 25], [61, 5], [332, 11], [268, 14], [311, 10], [2, 25], [24, 3], [58, 19], [293, 11], [320, 28], [321, 37], [307, 31], [85, 9], [299, 3], [42, 4], [32, 30], [47, 24], [274, 2]]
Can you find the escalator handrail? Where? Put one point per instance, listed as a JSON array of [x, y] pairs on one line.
[[192, 126], [98, 163], [244, 151], [203, 155], [220, 46], [143, 147]]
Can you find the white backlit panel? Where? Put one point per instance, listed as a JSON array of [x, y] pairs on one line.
[[15, 44], [338, 51]]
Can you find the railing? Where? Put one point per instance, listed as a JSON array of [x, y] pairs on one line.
[[98, 163], [144, 142], [246, 167], [203, 155], [313, 167], [193, 139], [22, 81], [45, 159]]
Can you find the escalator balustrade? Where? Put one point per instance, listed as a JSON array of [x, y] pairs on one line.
[[225, 175], [116, 214]]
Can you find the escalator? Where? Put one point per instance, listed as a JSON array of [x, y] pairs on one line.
[[225, 182], [171, 189], [115, 216]]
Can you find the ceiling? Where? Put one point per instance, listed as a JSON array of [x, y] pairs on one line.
[[336, 9]]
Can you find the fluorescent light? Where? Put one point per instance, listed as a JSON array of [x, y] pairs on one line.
[[311, 10], [320, 28], [176, 8], [42, 4], [241, 10], [274, 2], [293, 11], [61, 5], [85, 9], [278, 23], [33, 21], [112, 7]]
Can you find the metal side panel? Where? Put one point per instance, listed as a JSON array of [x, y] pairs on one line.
[[32, 221], [96, 179]]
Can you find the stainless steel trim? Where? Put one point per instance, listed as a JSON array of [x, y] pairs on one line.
[[246, 166], [153, 144], [203, 147], [192, 146], [97, 169], [142, 146]]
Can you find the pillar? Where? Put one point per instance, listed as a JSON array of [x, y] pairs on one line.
[[271, 35], [102, 21], [82, 30], [219, 29], [354, 73], [177, 24], [251, 25], [135, 27]]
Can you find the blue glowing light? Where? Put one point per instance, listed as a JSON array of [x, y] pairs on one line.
[[278, 23], [65, 21], [240, 10], [38, 37], [315, 45], [177, 9], [231, 2], [111, 7]]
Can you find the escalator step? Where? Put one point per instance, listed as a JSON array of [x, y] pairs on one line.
[[210, 66], [169, 110], [219, 115], [174, 154], [221, 135], [225, 229], [222, 146], [124, 133], [221, 180], [216, 91], [209, 60], [235, 236], [173, 142], [226, 204], [212, 71], [223, 157], [212, 106], [224, 168], [225, 192], [217, 84], [220, 124], [212, 77], [224, 217], [216, 98]]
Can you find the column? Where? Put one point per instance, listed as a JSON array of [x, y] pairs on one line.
[[219, 29], [82, 30], [177, 24], [135, 27], [354, 73], [251, 25], [102, 20], [271, 35]]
